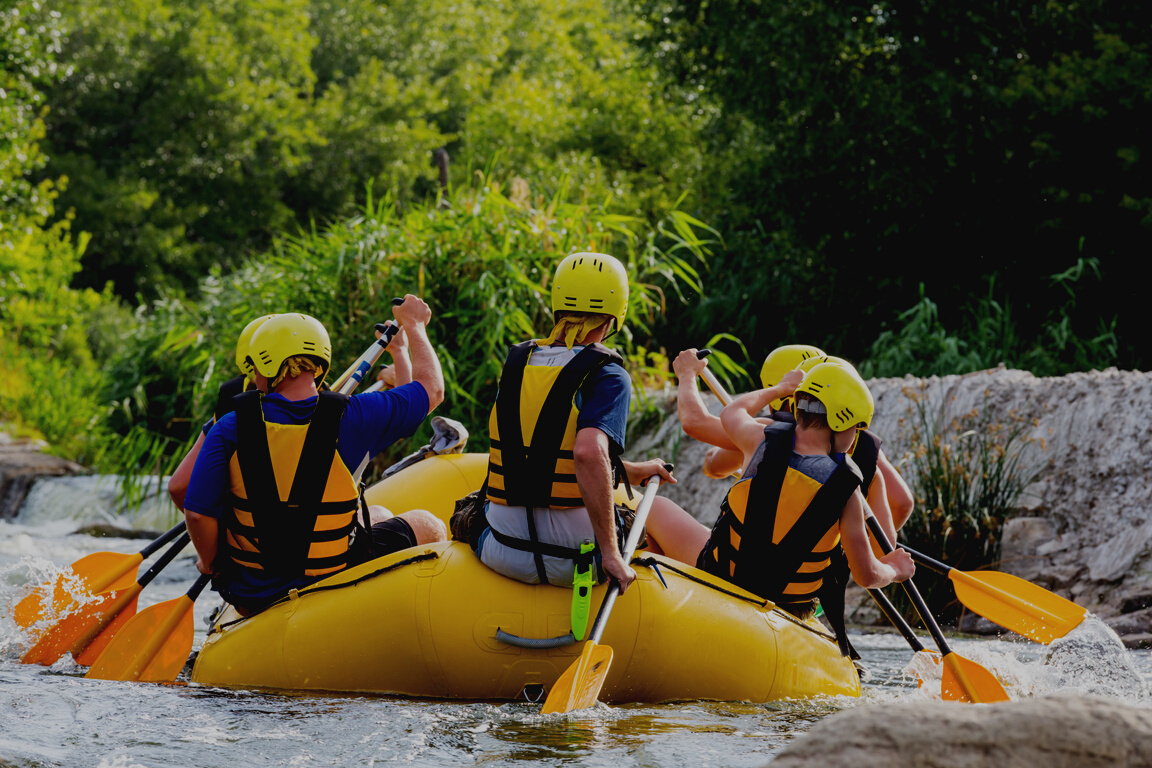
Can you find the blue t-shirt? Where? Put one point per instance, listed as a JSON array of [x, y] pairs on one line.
[[371, 422]]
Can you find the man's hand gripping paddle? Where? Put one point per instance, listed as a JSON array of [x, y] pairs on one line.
[[579, 686]]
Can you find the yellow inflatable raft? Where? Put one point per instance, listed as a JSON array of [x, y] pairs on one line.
[[434, 622]]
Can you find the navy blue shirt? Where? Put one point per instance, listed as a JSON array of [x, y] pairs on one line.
[[371, 422]]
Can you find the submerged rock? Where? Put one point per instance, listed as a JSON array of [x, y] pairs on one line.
[[1052, 732]]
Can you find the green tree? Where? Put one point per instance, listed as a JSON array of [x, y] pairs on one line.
[[900, 143]]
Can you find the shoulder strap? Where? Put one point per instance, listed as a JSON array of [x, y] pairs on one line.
[[319, 449], [764, 488], [228, 390], [512, 450]]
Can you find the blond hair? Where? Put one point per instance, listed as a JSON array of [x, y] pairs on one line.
[[293, 367]]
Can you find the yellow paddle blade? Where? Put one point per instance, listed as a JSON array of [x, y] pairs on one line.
[[1016, 604], [80, 627], [85, 653], [152, 647], [98, 572], [965, 680], [579, 686]]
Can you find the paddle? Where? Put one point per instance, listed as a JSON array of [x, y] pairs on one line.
[[154, 645], [90, 575], [579, 686], [1010, 601], [359, 369], [87, 630], [963, 679]]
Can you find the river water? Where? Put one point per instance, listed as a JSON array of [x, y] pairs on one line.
[[55, 717]]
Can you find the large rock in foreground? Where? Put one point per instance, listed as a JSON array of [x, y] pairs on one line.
[[1053, 732]]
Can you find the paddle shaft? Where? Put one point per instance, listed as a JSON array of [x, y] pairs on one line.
[[163, 539], [629, 548], [909, 588], [356, 372], [162, 562], [896, 619]]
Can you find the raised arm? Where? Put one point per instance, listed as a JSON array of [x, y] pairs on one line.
[[695, 419], [739, 416], [413, 316]]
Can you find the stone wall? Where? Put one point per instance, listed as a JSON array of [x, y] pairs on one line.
[[1084, 530]]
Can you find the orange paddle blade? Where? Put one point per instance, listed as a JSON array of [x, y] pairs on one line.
[[965, 680], [81, 626], [579, 686], [1018, 605], [98, 572], [152, 647]]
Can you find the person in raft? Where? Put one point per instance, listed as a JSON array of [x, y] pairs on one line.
[[178, 483], [797, 501], [557, 435], [886, 492], [273, 497]]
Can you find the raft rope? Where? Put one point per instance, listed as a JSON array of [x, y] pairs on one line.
[[326, 587], [649, 562], [656, 565]]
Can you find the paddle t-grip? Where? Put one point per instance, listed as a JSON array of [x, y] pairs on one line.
[[703, 353]]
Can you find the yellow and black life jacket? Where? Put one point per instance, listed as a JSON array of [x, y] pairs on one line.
[[228, 391], [294, 501], [533, 429], [533, 434], [779, 528]]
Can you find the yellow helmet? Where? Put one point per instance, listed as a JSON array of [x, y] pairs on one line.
[[812, 362], [242, 361], [844, 395], [591, 282], [286, 336], [780, 361]]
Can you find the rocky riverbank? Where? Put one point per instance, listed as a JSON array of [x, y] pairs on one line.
[[22, 461], [1083, 528]]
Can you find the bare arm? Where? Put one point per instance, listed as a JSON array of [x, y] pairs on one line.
[[878, 501], [900, 499], [869, 571], [594, 476], [178, 484], [205, 533], [695, 419], [739, 416], [414, 315]]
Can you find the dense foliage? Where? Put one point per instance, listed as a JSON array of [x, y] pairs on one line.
[[899, 144], [195, 130], [482, 258]]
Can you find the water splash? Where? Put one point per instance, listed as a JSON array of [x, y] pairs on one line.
[[1089, 660], [89, 499]]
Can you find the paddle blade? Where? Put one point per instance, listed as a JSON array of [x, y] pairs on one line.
[[965, 680], [78, 628], [98, 572], [87, 653], [1016, 604], [152, 647], [579, 686]]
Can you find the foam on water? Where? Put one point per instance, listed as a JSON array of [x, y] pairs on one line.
[[1089, 660], [89, 499]]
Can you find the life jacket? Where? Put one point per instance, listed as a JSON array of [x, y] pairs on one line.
[[228, 390], [779, 528], [533, 433], [533, 429], [294, 501]]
